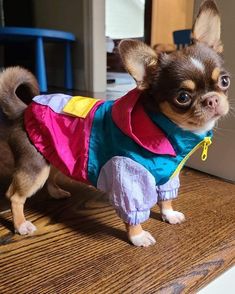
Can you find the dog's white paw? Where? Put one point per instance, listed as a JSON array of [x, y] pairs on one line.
[[26, 228], [144, 239], [172, 217]]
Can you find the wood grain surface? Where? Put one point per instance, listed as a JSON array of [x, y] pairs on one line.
[[81, 246]]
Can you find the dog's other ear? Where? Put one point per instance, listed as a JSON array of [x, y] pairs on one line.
[[139, 60], [207, 26]]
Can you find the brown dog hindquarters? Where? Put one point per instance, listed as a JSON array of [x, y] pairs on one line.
[[53, 189], [31, 172], [31, 169]]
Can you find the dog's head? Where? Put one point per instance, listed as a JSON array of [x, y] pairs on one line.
[[189, 86]]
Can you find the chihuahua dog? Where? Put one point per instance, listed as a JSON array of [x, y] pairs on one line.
[[133, 148]]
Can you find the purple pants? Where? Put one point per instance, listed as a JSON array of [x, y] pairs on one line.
[[132, 190]]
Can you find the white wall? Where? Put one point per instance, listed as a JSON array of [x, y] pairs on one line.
[[124, 19]]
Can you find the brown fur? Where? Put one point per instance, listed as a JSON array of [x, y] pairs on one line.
[[215, 74], [164, 75], [188, 86], [142, 67], [207, 27], [31, 172]]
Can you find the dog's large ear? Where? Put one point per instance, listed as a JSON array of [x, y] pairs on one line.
[[139, 60], [207, 26]]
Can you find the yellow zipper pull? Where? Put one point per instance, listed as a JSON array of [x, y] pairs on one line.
[[206, 143]]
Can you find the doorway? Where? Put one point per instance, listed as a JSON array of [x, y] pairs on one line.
[[123, 20]]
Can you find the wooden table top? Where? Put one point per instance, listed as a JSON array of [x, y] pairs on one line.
[[81, 246]]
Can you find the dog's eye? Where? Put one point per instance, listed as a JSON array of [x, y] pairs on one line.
[[224, 82], [183, 99]]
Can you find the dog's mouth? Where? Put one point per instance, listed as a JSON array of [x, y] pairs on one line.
[[204, 121], [215, 105]]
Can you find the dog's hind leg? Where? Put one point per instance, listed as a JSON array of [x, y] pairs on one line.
[[31, 172], [23, 186], [53, 189]]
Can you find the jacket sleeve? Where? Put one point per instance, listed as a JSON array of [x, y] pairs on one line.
[[169, 190], [131, 188]]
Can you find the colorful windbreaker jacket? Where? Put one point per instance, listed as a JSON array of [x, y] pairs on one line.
[[78, 135]]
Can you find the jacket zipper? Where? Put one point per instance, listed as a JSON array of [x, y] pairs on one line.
[[203, 144]]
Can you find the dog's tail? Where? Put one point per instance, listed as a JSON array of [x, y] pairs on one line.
[[17, 87]]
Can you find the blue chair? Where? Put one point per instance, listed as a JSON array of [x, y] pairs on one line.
[[182, 38], [39, 36]]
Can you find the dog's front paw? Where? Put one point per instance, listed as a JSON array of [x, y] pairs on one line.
[[144, 239], [172, 217], [26, 228]]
